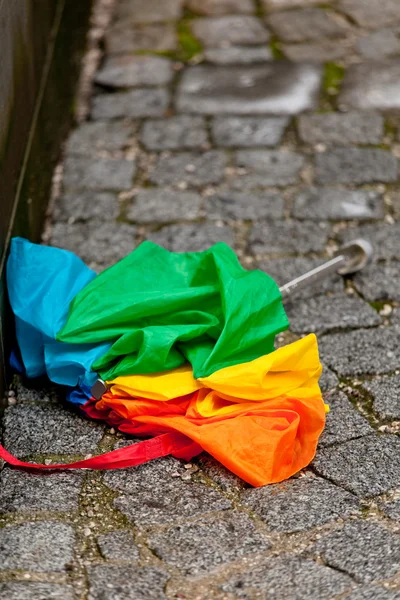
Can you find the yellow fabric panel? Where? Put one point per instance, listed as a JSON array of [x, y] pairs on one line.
[[292, 368], [158, 386], [271, 375]]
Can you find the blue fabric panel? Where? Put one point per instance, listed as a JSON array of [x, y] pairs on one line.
[[42, 281]]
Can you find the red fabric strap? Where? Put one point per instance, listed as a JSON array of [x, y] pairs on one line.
[[136, 454]]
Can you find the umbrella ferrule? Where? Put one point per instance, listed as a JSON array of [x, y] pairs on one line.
[[99, 388]]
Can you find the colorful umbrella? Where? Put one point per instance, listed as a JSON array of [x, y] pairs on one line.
[[185, 345]]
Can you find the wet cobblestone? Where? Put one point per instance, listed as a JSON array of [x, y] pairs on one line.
[[270, 125]]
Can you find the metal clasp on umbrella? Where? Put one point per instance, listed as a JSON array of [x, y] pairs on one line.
[[348, 259]]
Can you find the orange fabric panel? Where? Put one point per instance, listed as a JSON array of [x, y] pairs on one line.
[[260, 419], [263, 442]]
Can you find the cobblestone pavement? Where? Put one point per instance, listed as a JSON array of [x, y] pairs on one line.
[[201, 131]]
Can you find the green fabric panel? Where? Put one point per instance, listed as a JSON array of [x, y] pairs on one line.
[[160, 309]]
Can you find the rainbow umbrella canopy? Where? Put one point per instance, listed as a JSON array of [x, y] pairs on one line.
[[185, 343]]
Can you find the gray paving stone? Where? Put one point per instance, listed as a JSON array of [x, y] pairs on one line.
[[372, 13], [286, 237], [259, 160], [315, 52], [278, 87], [149, 11], [384, 238], [366, 351], [335, 204], [200, 547], [355, 165], [395, 196], [33, 393], [379, 44], [198, 169], [134, 71], [248, 131], [287, 576], [379, 281], [326, 313], [125, 37], [386, 396], [119, 545], [343, 422], [230, 204], [300, 504], [238, 55], [30, 429], [366, 551], [44, 546], [93, 137], [175, 133], [153, 205], [228, 481], [153, 495], [284, 270], [341, 128], [183, 501], [328, 380], [22, 590], [269, 167], [192, 238], [135, 104], [395, 316], [367, 466], [372, 85], [220, 7], [98, 243], [28, 492], [86, 205], [98, 173], [232, 29], [114, 582], [391, 509], [144, 477], [305, 24], [369, 592]]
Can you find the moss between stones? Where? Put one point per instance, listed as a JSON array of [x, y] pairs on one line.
[[260, 12], [378, 305], [276, 48], [361, 400], [189, 46], [332, 78], [390, 127]]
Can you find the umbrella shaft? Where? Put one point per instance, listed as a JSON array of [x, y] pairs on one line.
[[314, 275]]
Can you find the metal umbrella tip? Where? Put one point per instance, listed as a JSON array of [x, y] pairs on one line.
[[357, 255], [98, 389], [348, 259]]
